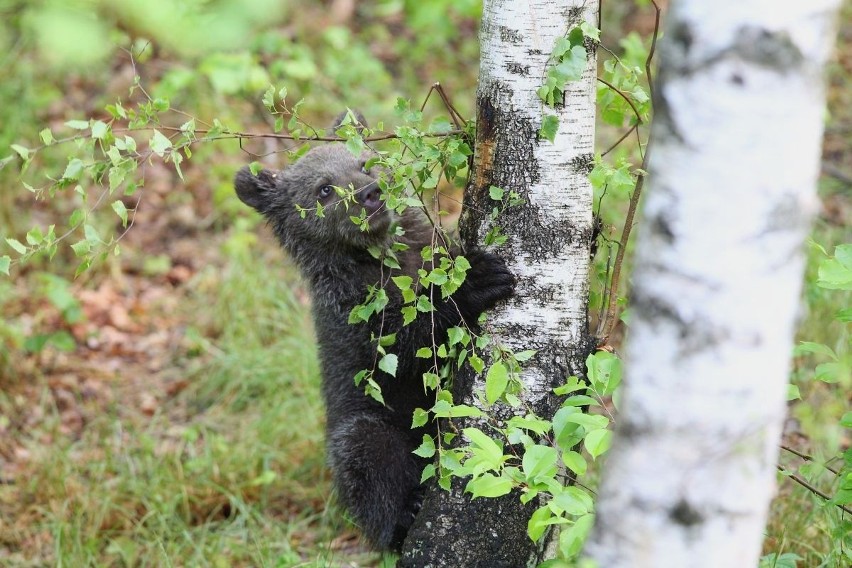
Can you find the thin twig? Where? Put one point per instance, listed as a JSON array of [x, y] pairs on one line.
[[806, 457], [811, 488], [623, 96], [609, 317], [652, 49], [620, 140]]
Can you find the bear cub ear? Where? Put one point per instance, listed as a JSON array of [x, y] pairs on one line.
[[255, 190], [349, 116]]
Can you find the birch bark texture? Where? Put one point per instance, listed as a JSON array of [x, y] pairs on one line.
[[719, 264], [549, 239]]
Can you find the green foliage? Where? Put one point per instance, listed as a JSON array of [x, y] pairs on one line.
[[230, 58], [569, 61]]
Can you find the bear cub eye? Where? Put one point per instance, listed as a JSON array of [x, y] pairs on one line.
[[325, 191]]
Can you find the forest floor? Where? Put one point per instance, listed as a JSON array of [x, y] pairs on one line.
[[164, 407]]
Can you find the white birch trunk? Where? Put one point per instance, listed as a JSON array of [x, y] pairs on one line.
[[549, 238], [549, 235], [732, 188]]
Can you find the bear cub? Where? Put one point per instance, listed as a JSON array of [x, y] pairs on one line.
[[375, 474]]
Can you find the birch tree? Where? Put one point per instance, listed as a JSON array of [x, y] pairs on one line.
[[538, 154], [736, 143]]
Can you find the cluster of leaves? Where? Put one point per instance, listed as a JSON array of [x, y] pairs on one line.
[[834, 273], [108, 155], [569, 60], [528, 453]]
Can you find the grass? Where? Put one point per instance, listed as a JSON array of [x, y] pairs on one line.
[[226, 466], [229, 473]]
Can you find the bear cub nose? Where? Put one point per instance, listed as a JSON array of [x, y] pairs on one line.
[[369, 196]]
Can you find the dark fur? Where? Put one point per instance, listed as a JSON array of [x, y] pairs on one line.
[[376, 475]]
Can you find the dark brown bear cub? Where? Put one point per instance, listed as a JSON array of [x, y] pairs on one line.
[[376, 475]]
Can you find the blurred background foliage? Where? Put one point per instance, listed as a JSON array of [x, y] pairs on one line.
[[163, 407]]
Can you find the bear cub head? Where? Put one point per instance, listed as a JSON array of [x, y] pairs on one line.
[[310, 204]]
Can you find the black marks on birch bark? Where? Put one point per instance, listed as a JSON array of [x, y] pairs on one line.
[[685, 515], [508, 35], [584, 163], [771, 49], [505, 157], [661, 227], [518, 69]]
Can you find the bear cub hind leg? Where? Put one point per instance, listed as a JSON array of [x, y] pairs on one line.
[[377, 477]]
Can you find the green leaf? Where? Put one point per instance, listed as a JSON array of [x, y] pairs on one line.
[[525, 355], [268, 99], [793, 393], [17, 245], [255, 168], [355, 145], [73, 170], [159, 143], [571, 538], [120, 210], [34, 236], [81, 248], [493, 450], [91, 234], [99, 130], [572, 500], [496, 381], [549, 126], [188, 127], [424, 305], [456, 335], [444, 409], [598, 441], [426, 448], [409, 314], [575, 462], [428, 473], [5, 261], [590, 31], [46, 136], [560, 48], [817, 348], [836, 273], [77, 217], [388, 364], [496, 193], [588, 421], [844, 315], [403, 282], [116, 177], [77, 124], [477, 363], [539, 463], [424, 353], [488, 485], [530, 422], [23, 152], [571, 67], [419, 418], [538, 522]]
